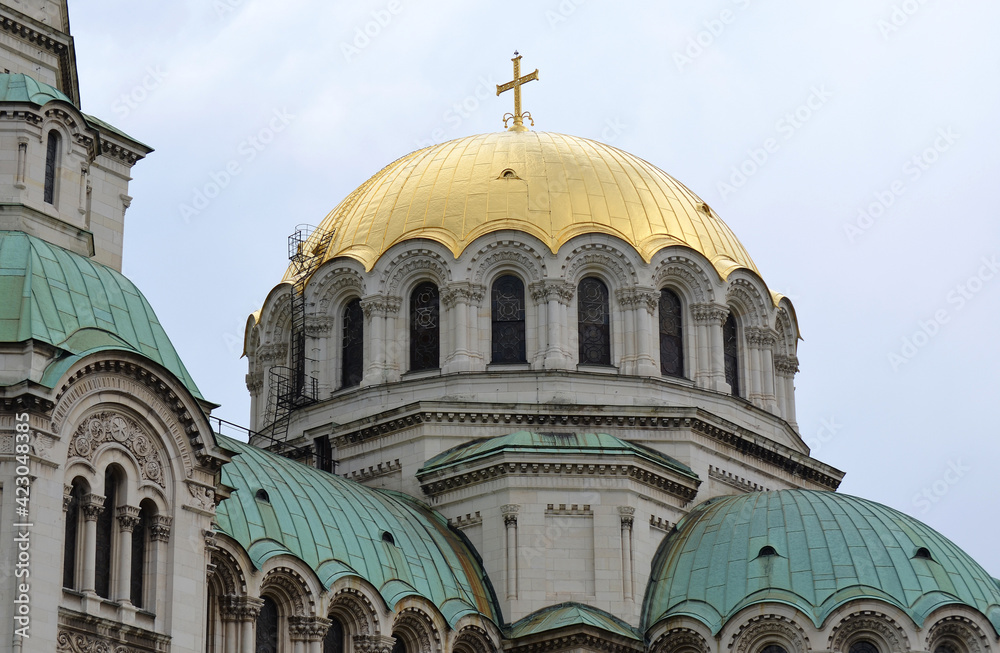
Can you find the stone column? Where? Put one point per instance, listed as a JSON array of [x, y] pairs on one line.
[[307, 633], [373, 644], [128, 519], [22, 156], [768, 338], [159, 536], [647, 355], [380, 312], [786, 367], [229, 606], [627, 514], [459, 300], [753, 339], [509, 512], [93, 506], [711, 317], [474, 294], [318, 330], [248, 610], [552, 297]]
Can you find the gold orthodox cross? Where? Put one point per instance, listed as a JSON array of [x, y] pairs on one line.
[[515, 84]]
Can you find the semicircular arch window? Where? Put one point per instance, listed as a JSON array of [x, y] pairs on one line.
[[267, 627], [352, 344], [731, 354], [507, 298], [773, 648], [594, 320], [425, 327], [863, 646], [671, 341]]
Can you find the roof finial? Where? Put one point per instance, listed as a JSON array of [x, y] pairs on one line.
[[515, 84]]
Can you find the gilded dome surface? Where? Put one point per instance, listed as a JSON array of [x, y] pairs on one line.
[[551, 186]]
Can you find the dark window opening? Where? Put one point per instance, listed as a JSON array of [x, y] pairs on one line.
[[261, 495], [508, 320], [51, 163], [333, 641], [863, 646], [140, 540], [731, 354], [425, 327], [594, 322], [773, 648], [267, 627], [71, 542], [923, 553], [671, 341], [767, 551], [388, 538], [324, 453], [105, 536], [353, 345]]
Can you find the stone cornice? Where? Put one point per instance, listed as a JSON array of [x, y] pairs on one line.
[[576, 641], [745, 442], [41, 35], [500, 466]]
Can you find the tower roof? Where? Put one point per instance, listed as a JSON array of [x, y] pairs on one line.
[[78, 305], [549, 185], [814, 551]]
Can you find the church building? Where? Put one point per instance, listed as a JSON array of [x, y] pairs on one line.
[[519, 391]]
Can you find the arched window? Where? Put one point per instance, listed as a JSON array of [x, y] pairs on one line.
[[106, 534], [773, 648], [863, 646], [71, 539], [140, 546], [267, 627], [425, 327], [51, 166], [731, 354], [594, 321], [399, 646], [508, 320], [353, 344], [671, 342], [333, 642]]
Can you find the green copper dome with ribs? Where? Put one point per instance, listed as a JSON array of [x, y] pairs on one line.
[[18, 87], [341, 528], [78, 306], [811, 550]]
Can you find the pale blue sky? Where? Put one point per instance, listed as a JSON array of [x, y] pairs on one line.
[[848, 94]]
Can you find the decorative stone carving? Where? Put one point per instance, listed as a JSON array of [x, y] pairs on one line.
[[470, 293], [549, 289], [960, 632], [710, 314], [128, 518], [769, 627], [509, 512], [605, 257], [627, 514], [307, 629], [67, 642], [202, 497], [358, 606], [680, 640], [631, 298], [874, 624], [319, 326], [101, 428], [159, 530], [373, 643], [380, 306], [786, 365], [93, 506]]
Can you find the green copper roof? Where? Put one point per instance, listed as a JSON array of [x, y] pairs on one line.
[[338, 528], [551, 443], [570, 614], [18, 87], [830, 549], [77, 305]]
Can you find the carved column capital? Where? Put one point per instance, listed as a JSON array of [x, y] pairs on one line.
[[380, 306], [711, 314], [159, 530], [128, 518], [67, 496], [248, 608], [462, 291], [93, 506], [627, 514], [307, 629], [509, 512], [786, 365], [547, 290]]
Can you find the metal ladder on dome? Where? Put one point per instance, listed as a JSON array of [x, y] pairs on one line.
[[290, 387]]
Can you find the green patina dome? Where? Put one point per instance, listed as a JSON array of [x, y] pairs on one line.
[[77, 305], [18, 87], [342, 528], [828, 549]]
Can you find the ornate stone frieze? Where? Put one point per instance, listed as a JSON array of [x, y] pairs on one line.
[[103, 428], [680, 640], [959, 630], [769, 627], [732, 480], [373, 643], [202, 497]]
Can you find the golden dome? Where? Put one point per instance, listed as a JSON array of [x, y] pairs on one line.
[[551, 186]]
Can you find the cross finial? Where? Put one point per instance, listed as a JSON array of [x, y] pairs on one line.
[[515, 84]]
